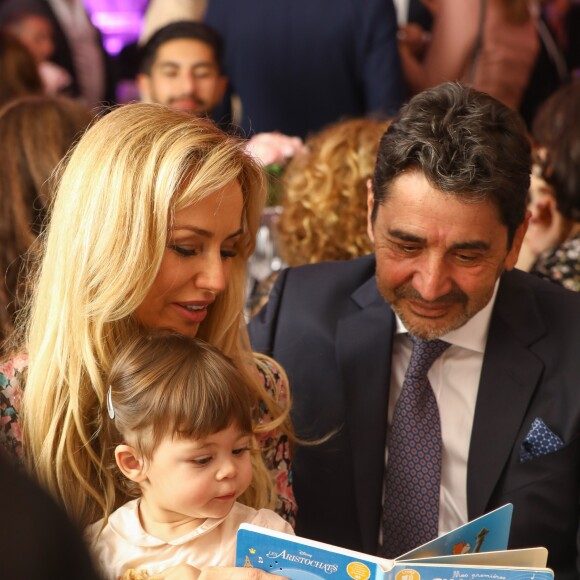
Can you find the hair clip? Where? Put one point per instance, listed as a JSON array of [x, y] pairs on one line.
[[110, 407]]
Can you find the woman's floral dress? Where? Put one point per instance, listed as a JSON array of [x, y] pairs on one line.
[[275, 443], [276, 446], [561, 265], [11, 372]]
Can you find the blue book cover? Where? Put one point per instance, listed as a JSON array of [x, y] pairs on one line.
[[475, 551]]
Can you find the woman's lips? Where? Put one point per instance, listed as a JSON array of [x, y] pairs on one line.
[[193, 312]]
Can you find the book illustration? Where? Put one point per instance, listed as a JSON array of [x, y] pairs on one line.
[[488, 533], [475, 551]]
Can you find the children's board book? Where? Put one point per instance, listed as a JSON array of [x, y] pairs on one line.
[[474, 551]]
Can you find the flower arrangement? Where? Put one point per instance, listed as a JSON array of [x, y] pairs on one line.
[[273, 150]]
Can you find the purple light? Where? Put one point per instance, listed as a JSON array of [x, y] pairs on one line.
[[118, 20]]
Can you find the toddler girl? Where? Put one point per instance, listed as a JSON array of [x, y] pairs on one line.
[[181, 415]]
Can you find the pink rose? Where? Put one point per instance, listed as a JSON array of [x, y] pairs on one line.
[[269, 148]]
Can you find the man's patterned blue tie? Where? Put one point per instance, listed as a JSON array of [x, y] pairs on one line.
[[413, 474]]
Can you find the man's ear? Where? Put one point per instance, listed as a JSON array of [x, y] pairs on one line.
[[520, 233], [370, 208], [130, 463], [143, 83]]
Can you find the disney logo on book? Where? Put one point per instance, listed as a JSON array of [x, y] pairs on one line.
[[306, 560]]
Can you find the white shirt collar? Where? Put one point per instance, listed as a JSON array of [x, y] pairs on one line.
[[473, 334], [126, 522]]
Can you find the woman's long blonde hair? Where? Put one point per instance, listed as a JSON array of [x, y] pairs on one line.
[[102, 250]]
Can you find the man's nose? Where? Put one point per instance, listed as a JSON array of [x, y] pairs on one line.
[[432, 279]]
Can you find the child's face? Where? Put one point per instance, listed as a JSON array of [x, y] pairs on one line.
[[197, 478]]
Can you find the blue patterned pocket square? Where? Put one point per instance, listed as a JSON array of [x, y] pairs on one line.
[[539, 441]]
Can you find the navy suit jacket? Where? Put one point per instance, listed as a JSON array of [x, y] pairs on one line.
[[298, 65], [332, 331]]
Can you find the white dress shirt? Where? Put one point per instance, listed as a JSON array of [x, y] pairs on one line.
[[454, 377], [402, 10]]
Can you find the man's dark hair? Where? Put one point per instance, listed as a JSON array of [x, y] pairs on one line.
[[466, 143], [183, 29]]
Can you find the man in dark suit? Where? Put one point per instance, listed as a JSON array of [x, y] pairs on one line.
[[299, 65], [447, 214]]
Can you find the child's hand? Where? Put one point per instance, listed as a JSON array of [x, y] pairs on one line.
[[181, 572]]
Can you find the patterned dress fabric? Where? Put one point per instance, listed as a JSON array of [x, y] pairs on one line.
[[413, 474], [561, 265]]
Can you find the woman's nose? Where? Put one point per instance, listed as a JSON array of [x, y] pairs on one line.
[[213, 275]]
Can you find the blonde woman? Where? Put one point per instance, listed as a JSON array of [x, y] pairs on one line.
[[154, 219], [490, 44]]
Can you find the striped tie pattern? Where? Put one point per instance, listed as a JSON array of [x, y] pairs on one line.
[[413, 474]]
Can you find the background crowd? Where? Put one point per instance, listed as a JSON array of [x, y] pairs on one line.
[[123, 220]]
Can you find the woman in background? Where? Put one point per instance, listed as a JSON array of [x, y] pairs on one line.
[[18, 71], [551, 247], [30, 24], [489, 44], [324, 199], [35, 134]]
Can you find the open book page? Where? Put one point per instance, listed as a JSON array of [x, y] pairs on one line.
[[488, 533], [527, 557], [302, 559]]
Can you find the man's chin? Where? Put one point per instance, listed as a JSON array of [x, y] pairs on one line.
[[189, 107], [430, 327]]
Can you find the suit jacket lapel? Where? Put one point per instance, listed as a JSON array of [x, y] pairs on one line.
[[509, 376], [364, 344]]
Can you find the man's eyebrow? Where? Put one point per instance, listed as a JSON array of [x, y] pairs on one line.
[[204, 64], [176, 64], [205, 233], [475, 245], [412, 238], [166, 64], [406, 236]]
